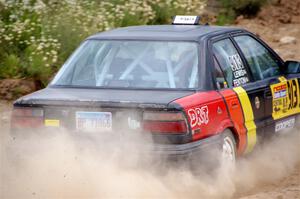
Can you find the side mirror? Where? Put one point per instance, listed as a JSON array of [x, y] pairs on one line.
[[291, 67]]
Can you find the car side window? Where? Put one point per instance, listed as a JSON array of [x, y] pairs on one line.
[[231, 63], [219, 75], [261, 62]]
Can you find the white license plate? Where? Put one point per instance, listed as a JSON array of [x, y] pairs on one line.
[[93, 121], [285, 124]]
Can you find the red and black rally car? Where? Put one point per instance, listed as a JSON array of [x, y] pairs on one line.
[[190, 86]]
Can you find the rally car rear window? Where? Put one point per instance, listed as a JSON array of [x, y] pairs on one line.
[[132, 64]]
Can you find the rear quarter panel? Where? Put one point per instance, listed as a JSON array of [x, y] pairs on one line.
[[206, 113]]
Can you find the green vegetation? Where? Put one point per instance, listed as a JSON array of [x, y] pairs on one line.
[[37, 36], [232, 9]]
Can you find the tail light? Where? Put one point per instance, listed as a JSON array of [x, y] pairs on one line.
[[27, 117], [165, 122]]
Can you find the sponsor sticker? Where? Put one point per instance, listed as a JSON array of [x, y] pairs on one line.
[[53, 123], [286, 98], [240, 75], [285, 124], [133, 124], [198, 116], [280, 91]]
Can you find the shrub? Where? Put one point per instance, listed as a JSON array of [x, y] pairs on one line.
[[232, 9], [37, 36], [248, 8], [10, 67]]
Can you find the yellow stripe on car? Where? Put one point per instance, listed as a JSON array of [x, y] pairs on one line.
[[249, 118]]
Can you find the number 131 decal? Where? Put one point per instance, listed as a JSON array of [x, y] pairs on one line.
[[286, 98]]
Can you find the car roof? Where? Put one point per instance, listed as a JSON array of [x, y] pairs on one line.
[[163, 32]]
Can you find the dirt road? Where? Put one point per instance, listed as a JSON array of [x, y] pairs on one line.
[[279, 26], [271, 173], [55, 168]]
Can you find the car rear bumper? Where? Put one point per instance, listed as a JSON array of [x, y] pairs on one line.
[[198, 146], [142, 147]]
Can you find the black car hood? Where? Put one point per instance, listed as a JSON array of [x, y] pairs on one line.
[[102, 97]]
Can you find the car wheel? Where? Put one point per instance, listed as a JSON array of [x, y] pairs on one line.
[[228, 148], [221, 156]]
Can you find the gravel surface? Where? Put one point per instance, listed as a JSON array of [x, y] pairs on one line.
[[269, 174]]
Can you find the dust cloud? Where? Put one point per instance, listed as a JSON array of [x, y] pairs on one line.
[[59, 164]]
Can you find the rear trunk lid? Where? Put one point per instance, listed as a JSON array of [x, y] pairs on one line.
[[107, 110], [102, 97]]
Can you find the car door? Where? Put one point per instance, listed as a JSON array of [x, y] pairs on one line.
[[280, 95], [240, 91]]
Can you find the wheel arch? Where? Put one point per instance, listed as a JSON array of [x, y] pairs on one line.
[[237, 136]]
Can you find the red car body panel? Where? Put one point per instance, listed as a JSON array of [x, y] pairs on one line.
[[206, 113], [237, 118]]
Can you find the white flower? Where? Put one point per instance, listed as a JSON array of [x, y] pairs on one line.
[[39, 48]]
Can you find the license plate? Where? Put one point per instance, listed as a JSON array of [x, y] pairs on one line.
[[285, 124], [93, 121]]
